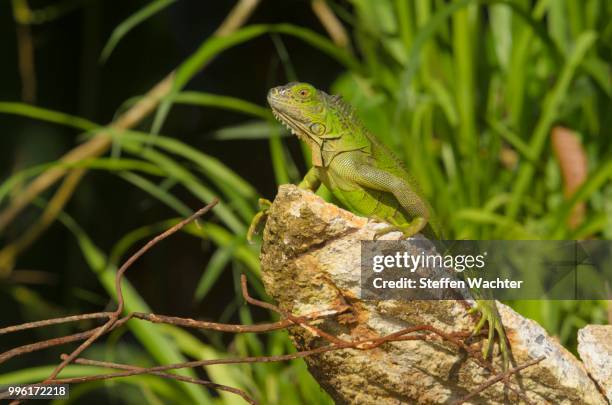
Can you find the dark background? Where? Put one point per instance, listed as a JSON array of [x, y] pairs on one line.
[[71, 79]]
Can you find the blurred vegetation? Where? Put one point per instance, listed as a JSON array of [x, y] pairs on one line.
[[466, 92]]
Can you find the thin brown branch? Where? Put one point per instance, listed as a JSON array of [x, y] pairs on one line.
[[220, 327], [247, 360], [118, 278], [114, 317], [170, 320], [233, 328], [189, 364], [113, 320], [362, 344], [497, 378], [55, 321], [45, 344], [296, 320], [191, 380]]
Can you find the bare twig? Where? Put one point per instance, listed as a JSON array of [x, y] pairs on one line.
[[114, 317], [118, 278], [499, 377], [192, 380], [223, 327], [295, 320], [55, 321], [45, 344]]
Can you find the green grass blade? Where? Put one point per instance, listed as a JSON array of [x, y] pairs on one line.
[[238, 192], [213, 270], [251, 130], [245, 253], [209, 49], [128, 240], [547, 118], [513, 139], [45, 114], [37, 374], [321, 43], [213, 167], [215, 45], [483, 217], [596, 180], [463, 38], [425, 33], [191, 182], [156, 191], [279, 160], [109, 164], [132, 21], [225, 102]]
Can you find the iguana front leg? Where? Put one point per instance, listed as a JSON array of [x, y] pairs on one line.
[[311, 181], [259, 218]]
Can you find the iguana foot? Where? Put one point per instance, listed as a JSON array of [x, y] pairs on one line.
[[259, 218], [490, 316], [409, 230]]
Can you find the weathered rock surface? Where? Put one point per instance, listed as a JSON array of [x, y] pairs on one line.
[[311, 261], [595, 349]]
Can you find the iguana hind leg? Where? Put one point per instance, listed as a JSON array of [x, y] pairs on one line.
[[408, 229], [489, 315]]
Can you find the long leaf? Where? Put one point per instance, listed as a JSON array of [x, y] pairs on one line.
[[132, 21], [46, 114], [548, 116]]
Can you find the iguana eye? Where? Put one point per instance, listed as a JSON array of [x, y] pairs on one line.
[[317, 129], [304, 93]]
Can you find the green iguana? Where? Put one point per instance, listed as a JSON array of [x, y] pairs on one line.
[[362, 174]]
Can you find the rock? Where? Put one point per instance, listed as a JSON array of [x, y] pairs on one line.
[[595, 349], [311, 261]]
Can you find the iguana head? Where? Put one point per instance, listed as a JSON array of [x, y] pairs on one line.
[[302, 109]]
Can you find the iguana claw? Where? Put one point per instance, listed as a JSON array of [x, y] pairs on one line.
[[259, 218], [490, 316]]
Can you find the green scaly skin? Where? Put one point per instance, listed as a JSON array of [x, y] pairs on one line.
[[362, 174]]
